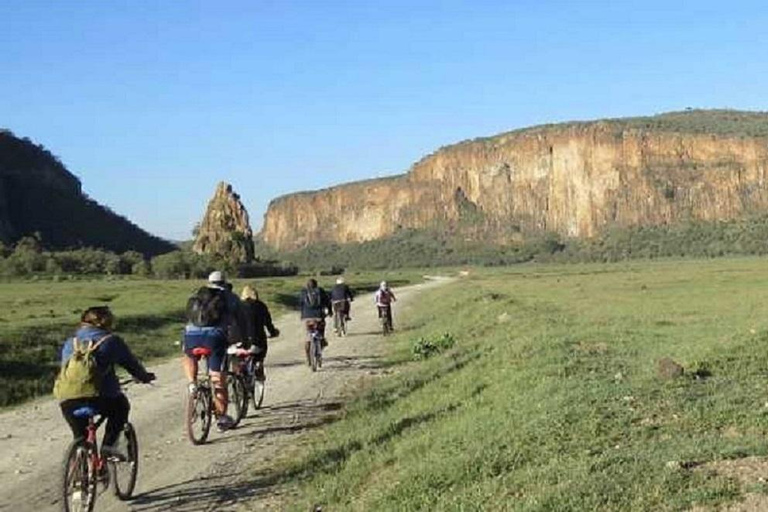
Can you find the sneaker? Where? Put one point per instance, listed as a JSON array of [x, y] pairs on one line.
[[349, 319], [102, 475], [224, 423], [112, 453], [192, 389]]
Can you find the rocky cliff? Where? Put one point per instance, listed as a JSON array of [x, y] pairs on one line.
[[38, 194], [575, 179], [225, 230]]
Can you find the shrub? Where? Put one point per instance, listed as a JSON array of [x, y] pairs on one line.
[[423, 348]]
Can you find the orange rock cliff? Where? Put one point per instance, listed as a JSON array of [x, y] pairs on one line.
[[575, 179]]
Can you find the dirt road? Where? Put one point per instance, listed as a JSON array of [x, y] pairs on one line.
[[173, 474]]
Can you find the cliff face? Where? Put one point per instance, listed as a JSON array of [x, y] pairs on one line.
[[38, 194], [225, 229], [574, 179]]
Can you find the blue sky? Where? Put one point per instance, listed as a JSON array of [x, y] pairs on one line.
[[151, 103]]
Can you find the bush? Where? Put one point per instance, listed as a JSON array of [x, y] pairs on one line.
[[423, 348]]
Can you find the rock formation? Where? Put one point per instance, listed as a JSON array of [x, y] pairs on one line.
[[225, 230], [575, 179], [38, 194]]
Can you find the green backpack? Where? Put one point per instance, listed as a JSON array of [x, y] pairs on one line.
[[79, 377]]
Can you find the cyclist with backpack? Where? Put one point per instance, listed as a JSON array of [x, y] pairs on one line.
[[213, 315], [87, 376], [315, 304], [384, 298]]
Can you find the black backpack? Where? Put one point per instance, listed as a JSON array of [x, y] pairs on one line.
[[206, 307]]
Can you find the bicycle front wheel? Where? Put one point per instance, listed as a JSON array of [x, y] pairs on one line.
[[79, 478], [257, 394], [124, 472], [238, 398], [198, 415]]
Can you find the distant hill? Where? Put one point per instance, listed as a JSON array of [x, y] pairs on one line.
[[576, 179], [39, 195]]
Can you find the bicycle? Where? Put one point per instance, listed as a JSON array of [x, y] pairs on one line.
[[199, 406], [246, 368], [340, 308], [84, 467], [385, 319], [316, 339]]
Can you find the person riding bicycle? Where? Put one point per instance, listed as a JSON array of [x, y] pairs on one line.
[[315, 304], [341, 298], [222, 328], [257, 322], [96, 324], [384, 298]]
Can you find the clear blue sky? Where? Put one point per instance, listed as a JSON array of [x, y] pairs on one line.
[[151, 103]]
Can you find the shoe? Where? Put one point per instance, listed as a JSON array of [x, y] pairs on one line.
[[349, 319], [102, 475], [260, 374], [224, 423], [192, 389], [113, 454]]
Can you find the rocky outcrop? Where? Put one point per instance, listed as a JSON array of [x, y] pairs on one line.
[[225, 231], [574, 179], [39, 195]]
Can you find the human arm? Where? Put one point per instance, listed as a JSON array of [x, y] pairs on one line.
[[123, 356], [274, 332]]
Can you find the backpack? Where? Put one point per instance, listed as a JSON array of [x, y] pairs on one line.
[[79, 377], [314, 300], [207, 307]]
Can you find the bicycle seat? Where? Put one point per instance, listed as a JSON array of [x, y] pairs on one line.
[[85, 411], [201, 352]]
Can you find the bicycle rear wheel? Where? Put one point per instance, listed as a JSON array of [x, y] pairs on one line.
[[313, 351], [124, 472], [79, 478], [238, 398], [199, 412]]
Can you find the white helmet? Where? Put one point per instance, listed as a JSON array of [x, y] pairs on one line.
[[383, 285], [216, 277], [340, 280]]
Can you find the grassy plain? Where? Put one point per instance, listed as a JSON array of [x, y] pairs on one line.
[[550, 400], [36, 317]]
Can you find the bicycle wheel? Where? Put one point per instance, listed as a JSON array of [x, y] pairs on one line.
[[238, 398], [313, 349], [257, 394], [124, 472], [319, 352], [79, 478], [199, 412]]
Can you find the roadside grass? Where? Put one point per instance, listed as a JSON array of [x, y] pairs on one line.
[[550, 399], [36, 317]]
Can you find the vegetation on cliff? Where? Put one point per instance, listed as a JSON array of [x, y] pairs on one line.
[[39, 195], [434, 248]]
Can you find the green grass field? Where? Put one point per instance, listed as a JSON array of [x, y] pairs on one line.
[[550, 399], [36, 317]]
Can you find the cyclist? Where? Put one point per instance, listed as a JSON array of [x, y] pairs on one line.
[[257, 322], [384, 298], [315, 304], [96, 324], [341, 297], [216, 336]]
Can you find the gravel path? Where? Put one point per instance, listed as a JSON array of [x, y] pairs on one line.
[[175, 475]]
